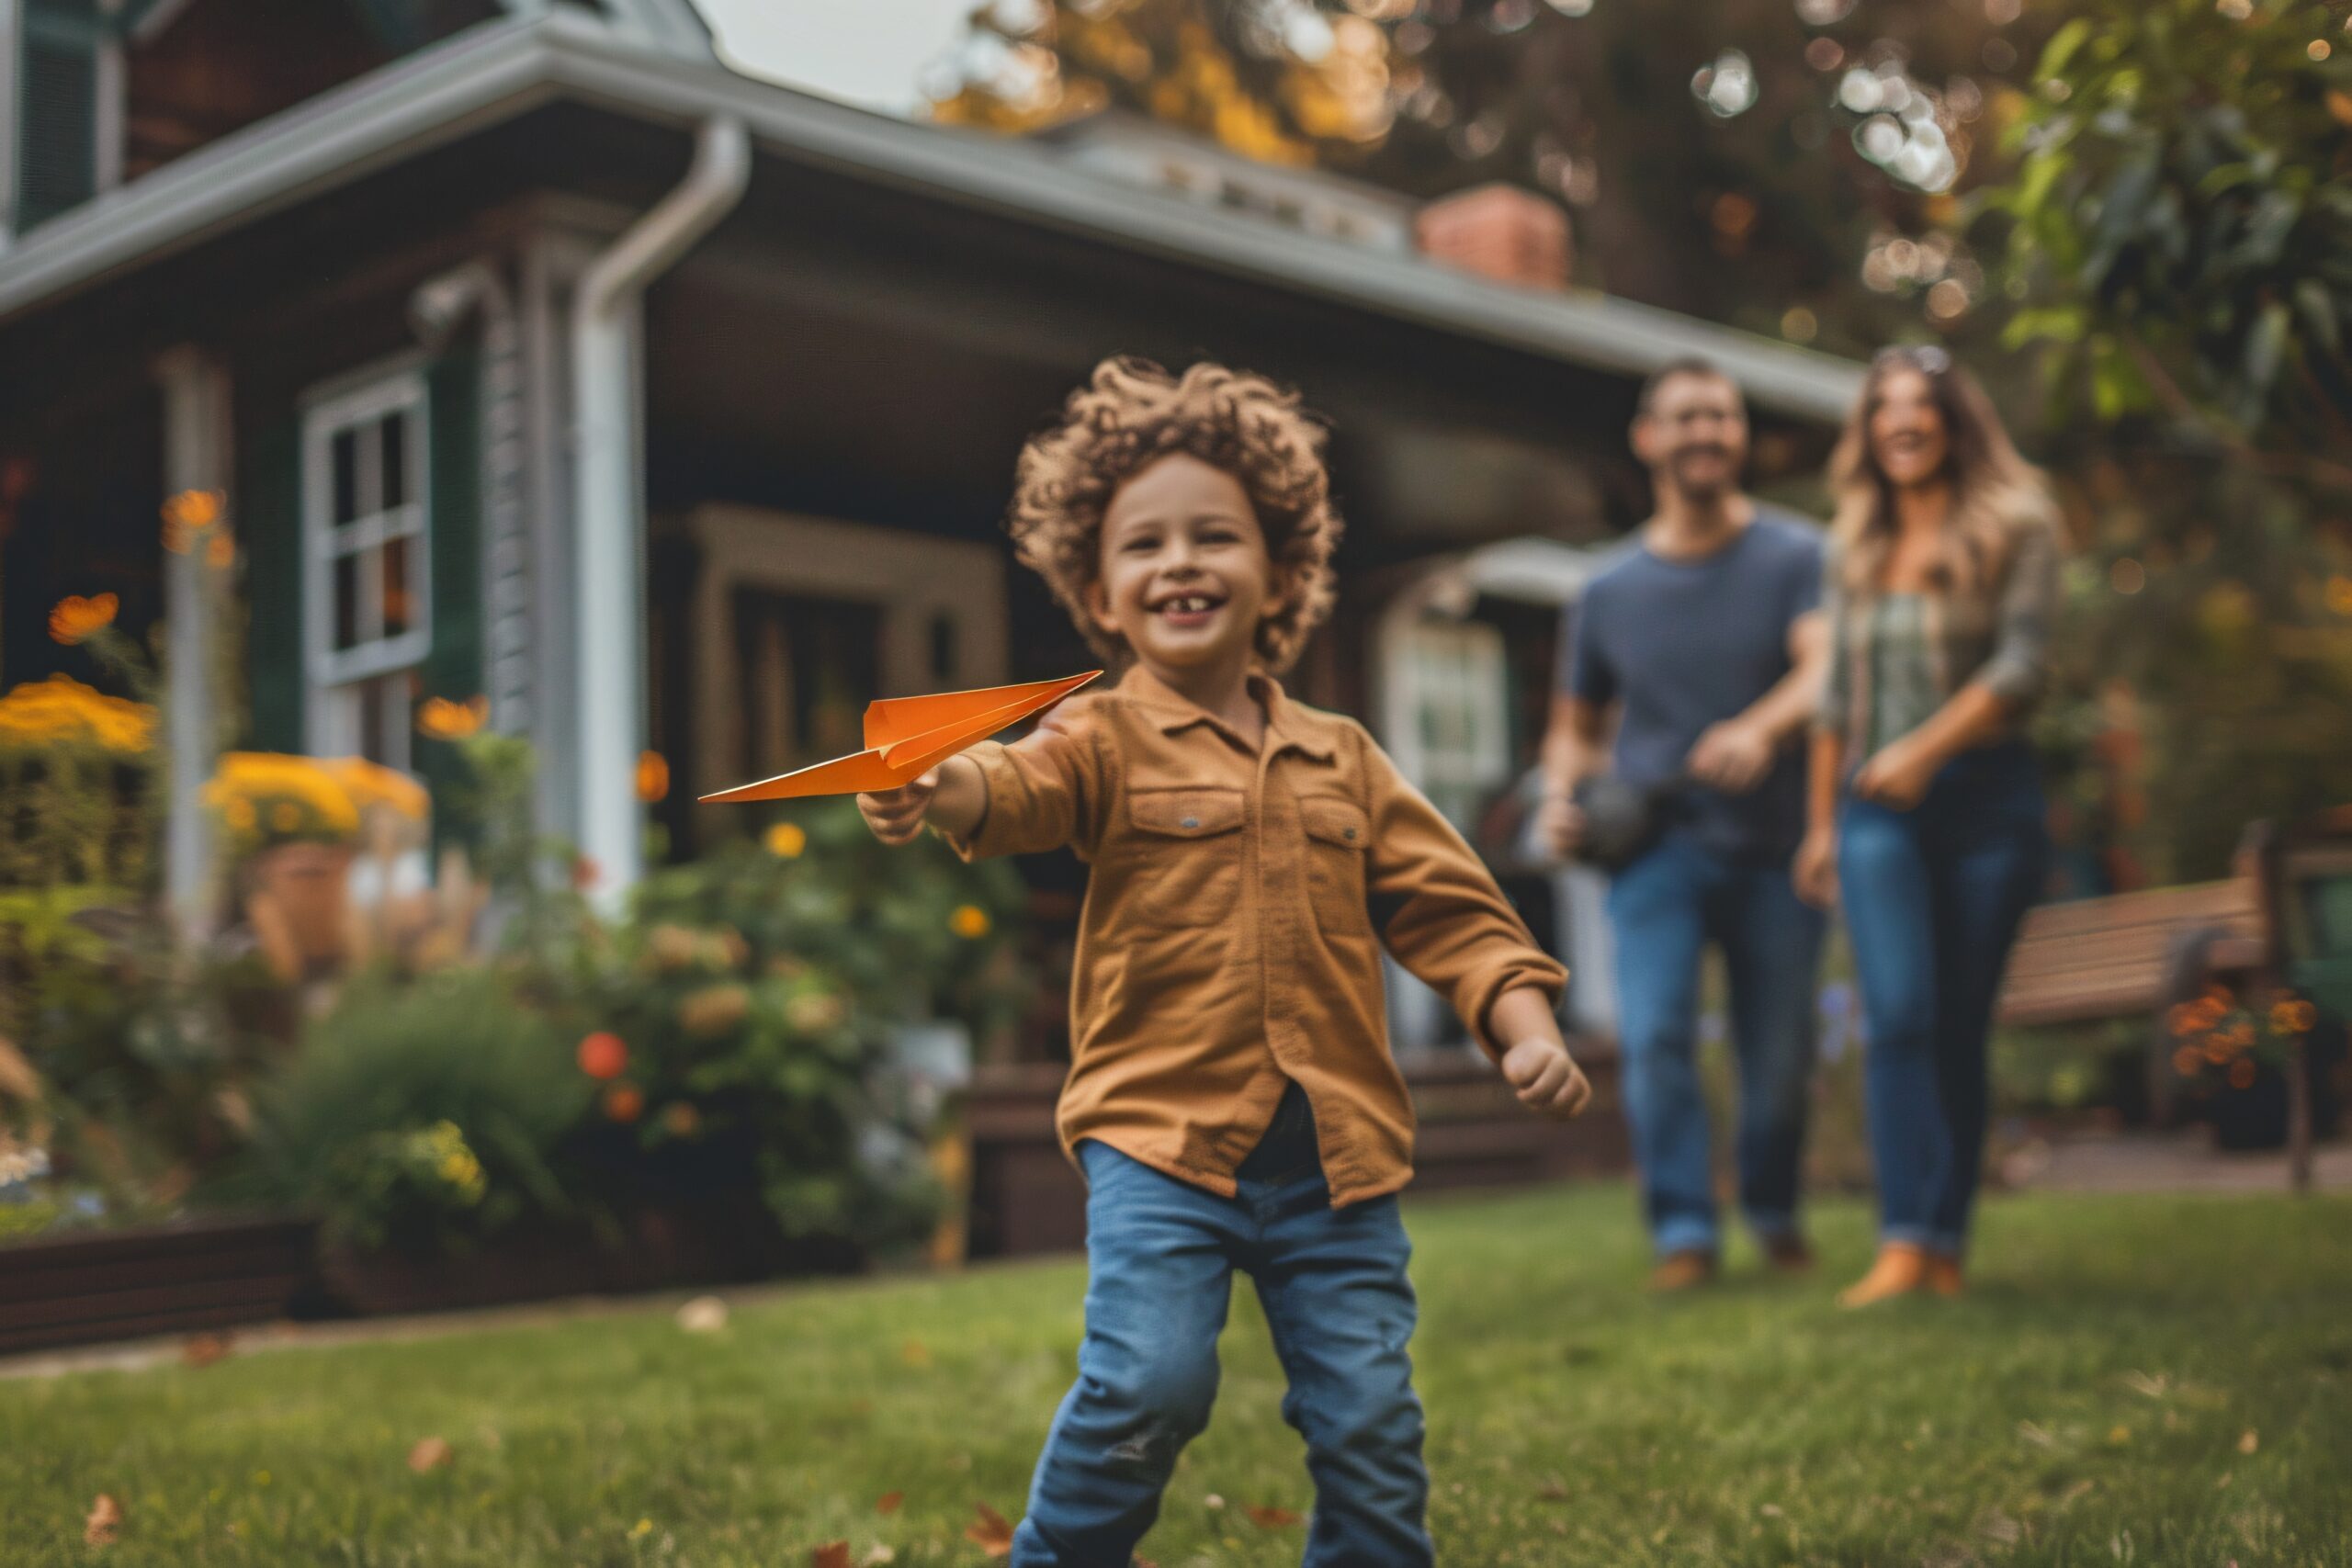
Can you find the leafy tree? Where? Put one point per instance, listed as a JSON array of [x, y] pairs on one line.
[[2179, 238], [1781, 164]]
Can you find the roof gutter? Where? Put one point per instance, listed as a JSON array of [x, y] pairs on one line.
[[608, 496]]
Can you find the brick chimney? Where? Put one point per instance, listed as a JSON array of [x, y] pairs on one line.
[[1499, 230]]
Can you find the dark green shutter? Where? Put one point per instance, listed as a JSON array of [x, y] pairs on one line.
[[453, 664], [57, 117], [268, 514]]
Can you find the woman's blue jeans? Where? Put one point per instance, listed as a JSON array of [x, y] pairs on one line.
[[1161, 1258], [1933, 897]]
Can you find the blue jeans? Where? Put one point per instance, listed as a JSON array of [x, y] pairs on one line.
[[1665, 909], [1160, 1257], [1933, 897]]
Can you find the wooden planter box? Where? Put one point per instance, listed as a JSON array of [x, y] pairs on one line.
[[715, 1242], [83, 1288], [1026, 1198]]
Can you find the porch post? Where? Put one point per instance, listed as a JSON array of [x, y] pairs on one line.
[[608, 498], [196, 458]]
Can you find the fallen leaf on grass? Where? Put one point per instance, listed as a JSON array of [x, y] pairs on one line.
[[889, 1502], [1213, 1501], [1268, 1517], [2035, 1435], [876, 1555], [704, 1315], [832, 1554], [2119, 1436], [989, 1532], [2141, 1382], [430, 1454], [2251, 1441], [103, 1523], [203, 1349], [915, 1353]]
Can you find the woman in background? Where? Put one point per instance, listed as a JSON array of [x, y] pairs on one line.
[[1925, 811]]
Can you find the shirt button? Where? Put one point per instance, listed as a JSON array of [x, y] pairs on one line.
[[1190, 822]]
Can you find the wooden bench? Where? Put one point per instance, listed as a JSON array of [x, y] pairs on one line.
[[2113, 957]]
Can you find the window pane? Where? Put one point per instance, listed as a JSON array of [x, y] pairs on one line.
[[346, 602], [345, 467], [399, 606], [395, 450]]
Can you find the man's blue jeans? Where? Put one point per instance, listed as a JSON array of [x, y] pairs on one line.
[[1664, 909], [1933, 897], [1160, 1258]]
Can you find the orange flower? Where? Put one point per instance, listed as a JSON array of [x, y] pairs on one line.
[[187, 515], [603, 1054], [680, 1118], [623, 1102], [969, 921], [785, 839], [2187, 1061], [2291, 1015], [652, 776], [75, 617], [2242, 1073], [222, 551], [438, 718]]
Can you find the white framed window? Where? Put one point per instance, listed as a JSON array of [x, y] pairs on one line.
[[368, 608]]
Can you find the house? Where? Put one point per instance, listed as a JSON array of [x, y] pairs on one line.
[[539, 355]]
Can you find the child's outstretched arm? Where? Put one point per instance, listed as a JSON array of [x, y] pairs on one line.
[[1038, 794], [950, 796]]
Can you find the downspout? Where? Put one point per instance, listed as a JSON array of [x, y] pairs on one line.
[[609, 499]]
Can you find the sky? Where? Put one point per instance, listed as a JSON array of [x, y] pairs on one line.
[[869, 52]]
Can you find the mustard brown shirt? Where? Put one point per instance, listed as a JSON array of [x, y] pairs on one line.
[[1230, 943]]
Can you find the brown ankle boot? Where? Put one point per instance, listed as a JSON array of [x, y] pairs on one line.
[[1943, 1275], [1901, 1269], [1684, 1271]]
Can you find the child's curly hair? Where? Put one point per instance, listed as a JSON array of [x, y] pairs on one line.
[[1132, 413]]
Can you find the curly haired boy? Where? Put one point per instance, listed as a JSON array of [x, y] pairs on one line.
[[1231, 1097]]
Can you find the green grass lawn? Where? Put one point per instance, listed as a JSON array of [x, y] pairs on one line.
[[2136, 1379]]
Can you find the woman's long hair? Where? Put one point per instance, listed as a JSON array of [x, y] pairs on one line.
[[1994, 490]]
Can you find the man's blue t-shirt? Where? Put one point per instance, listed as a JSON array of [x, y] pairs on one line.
[[1684, 644]]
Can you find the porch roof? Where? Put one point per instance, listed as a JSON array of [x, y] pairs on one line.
[[500, 71]]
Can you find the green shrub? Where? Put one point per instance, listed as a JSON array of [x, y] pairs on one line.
[[421, 1115]]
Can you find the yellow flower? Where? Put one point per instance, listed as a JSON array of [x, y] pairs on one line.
[[372, 783], [652, 776], [438, 718], [291, 795], [75, 618], [785, 839], [61, 712], [970, 922]]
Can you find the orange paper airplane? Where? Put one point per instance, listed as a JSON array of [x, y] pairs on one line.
[[905, 736]]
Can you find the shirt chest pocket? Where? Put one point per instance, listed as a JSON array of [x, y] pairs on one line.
[[1188, 847], [1338, 833]]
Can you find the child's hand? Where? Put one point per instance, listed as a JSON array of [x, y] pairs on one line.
[[897, 816], [1546, 1078]]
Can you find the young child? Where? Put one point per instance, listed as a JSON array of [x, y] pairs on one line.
[[1231, 1097]]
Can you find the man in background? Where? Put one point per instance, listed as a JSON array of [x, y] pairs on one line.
[[1701, 649]]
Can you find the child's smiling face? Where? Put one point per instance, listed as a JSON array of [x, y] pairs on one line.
[[1185, 576]]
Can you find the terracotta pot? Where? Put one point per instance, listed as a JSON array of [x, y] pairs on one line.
[[297, 899]]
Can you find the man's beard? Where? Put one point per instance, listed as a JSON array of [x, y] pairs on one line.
[[1721, 477]]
